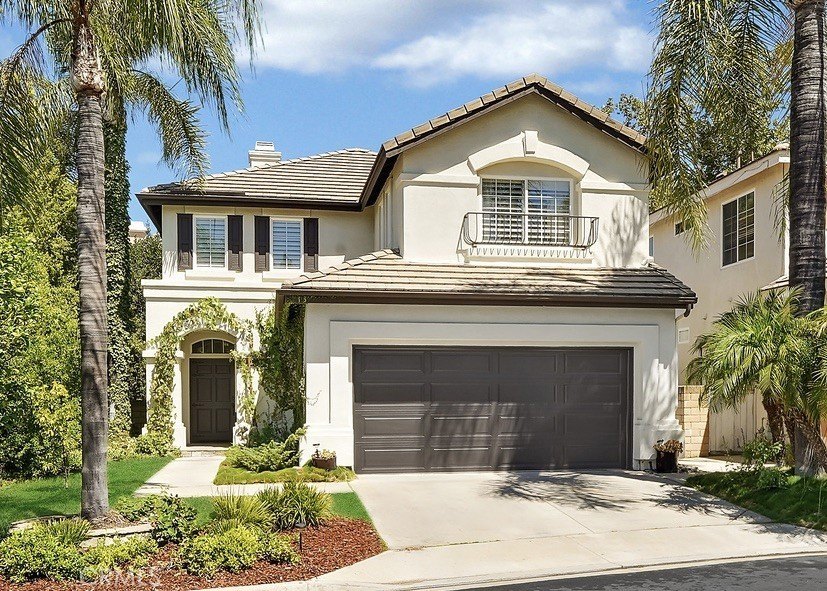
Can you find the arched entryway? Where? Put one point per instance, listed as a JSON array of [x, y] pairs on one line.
[[212, 390]]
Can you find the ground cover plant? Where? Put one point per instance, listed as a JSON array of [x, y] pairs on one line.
[[228, 474], [194, 543]]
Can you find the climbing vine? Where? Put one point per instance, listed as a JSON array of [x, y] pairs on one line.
[[206, 314], [280, 364]]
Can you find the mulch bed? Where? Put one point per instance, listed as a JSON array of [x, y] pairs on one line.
[[337, 543]]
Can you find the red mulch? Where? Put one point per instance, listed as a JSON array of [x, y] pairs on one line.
[[337, 543]]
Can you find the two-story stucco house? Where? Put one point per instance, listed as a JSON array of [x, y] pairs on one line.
[[479, 292], [746, 252]]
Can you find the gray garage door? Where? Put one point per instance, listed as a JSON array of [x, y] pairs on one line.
[[421, 409]]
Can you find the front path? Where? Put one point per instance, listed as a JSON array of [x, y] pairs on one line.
[[193, 477]]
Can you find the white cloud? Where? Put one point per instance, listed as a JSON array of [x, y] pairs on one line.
[[430, 41], [558, 38]]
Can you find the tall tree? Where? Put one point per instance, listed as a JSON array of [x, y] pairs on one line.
[[101, 45], [726, 68]]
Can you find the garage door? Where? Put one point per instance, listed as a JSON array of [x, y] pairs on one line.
[[429, 409]]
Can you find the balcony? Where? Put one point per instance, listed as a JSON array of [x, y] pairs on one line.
[[481, 228]]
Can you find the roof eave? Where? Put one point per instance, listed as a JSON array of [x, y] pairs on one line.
[[315, 295]]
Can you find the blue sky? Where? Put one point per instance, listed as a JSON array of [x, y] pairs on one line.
[[341, 73]]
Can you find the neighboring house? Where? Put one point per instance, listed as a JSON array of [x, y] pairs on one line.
[[746, 252], [480, 293]]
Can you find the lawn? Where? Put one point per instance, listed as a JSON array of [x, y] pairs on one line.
[[344, 505], [49, 496], [232, 475], [803, 503]]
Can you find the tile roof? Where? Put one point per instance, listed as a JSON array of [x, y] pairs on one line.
[[533, 83], [331, 176], [385, 277]]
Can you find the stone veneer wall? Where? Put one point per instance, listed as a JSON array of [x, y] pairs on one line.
[[694, 419]]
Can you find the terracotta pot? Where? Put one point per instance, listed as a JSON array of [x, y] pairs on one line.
[[667, 461], [324, 464]]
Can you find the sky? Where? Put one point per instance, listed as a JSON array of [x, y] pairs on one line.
[[333, 74]]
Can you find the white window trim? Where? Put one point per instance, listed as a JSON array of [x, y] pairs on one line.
[[754, 241], [195, 265], [284, 271]]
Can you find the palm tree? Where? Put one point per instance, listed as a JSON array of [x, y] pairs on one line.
[[763, 344], [104, 46], [727, 68]]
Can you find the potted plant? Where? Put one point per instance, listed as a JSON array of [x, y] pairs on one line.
[[667, 455], [324, 459]]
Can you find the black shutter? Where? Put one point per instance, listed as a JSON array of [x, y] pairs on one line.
[[235, 242], [184, 241], [262, 240], [311, 244]]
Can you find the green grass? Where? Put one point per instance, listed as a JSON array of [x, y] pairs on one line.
[[803, 503], [231, 475], [344, 505], [48, 496]]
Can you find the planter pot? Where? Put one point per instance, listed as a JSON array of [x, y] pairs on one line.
[[667, 461], [324, 464]]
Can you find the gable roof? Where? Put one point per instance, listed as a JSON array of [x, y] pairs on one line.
[[384, 276], [332, 180], [531, 84]]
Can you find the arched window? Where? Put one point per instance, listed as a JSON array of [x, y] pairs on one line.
[[213, 346]]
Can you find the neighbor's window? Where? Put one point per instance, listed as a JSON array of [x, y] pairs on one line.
[[286, 244], [526, 211], [679, 228], [210, 242], [739, 229], [651, 246]]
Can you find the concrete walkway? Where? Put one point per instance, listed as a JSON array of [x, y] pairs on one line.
[[193, 477]]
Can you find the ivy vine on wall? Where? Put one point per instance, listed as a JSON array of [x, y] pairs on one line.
[[206, 314]]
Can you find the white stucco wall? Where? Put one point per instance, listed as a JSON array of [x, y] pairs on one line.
[[333, 330], [439, 181]]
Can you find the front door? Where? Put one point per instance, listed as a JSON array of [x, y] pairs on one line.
[[212, 400]]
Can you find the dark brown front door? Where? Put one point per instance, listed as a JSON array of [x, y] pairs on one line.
[[212, 400], [484, 408]]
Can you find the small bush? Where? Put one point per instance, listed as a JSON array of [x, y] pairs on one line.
[[37, 554], [104, 558], [296, 502], [278, 549], [172, 519], [68, 531], [241, 510], [772, 478], [761, 451], [232, 550], [268, 457]]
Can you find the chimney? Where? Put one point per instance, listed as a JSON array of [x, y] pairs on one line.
[[263, 154]]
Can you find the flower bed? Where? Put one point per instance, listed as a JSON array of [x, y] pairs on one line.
[[335, 544]]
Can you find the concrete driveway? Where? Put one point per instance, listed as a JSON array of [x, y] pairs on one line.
[[467, 528]]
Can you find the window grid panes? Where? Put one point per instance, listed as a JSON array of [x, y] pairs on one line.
[[739, 229], [210, 242], [287, 244], [522, 212], [212, 346]]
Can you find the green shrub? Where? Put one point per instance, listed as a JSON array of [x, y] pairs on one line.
[[68, 531], [762, 450], [103, 558], [772, 478], [172, 519], [296, 502], [269, 457], [240, 511], [232, 550], [37, 554], [278, 549]]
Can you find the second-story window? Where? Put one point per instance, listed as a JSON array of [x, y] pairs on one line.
[[738, 236], [286, 243], [210, 242], [526, 211]]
